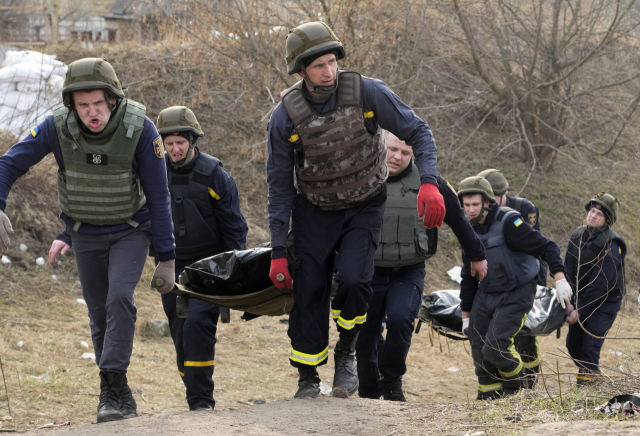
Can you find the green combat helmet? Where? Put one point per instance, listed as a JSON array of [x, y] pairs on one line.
[[607, 203], [498, 183], [88, 74], [177, 119], [477, 185], [310, 40]]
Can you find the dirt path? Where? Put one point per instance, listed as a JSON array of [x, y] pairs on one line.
[[287, 417]]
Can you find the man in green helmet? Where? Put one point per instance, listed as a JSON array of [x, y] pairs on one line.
[[527, 346], [326, 170], [494, 309], [112, 188], [207, 221], [595, 270]]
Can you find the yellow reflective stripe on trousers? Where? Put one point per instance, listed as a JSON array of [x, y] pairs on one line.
[[514, 353], [350, 323], [309, 359], [181, 373], [369, 114], [489, 388], [335, 313], [195, 363]]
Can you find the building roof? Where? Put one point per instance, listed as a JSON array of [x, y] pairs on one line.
[[134, 9]]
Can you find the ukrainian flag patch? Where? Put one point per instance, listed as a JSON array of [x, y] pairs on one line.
[[35, 131], [517, 222]]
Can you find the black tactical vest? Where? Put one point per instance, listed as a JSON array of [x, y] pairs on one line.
[[404, 240], [195, 226], [589, 253], [341, 164], [507, 269]]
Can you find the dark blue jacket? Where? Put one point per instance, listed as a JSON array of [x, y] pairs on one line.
[[151, 169], [601, 278], [389, 112], [520, 237], [528, 210]]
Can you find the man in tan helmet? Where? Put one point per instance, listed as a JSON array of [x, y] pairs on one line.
[[494, 309], [326, 171], [207, 221], [112, 188], [595, 270]]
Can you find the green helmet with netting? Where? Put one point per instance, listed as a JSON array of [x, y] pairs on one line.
[[476, 185], [498, 182], [178, 119], [607, 203], [88, 74], [310, 40]]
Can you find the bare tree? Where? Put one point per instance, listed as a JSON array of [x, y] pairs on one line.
[[566, 69]]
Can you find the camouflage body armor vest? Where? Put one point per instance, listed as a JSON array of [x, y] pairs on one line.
[[404, 240], [97, 185], [341, 164]]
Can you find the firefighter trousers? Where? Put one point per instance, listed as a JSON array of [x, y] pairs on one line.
[[496, 318], [343, 242], [194, 338]]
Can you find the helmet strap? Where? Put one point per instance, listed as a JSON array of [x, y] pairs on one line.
[[324, 90], [475, 221]]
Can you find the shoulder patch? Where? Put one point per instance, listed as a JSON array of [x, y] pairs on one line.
[[158, 148], [532, 219], [35, 131], [518, 222], [454, 191]]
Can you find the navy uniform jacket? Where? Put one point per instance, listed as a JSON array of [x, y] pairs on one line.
[[224, 197], [146, 163], [521, 238], [602, 277], [528, 210], [383, 108]]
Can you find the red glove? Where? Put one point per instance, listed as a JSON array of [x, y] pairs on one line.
[[430, 205], [280, 267]]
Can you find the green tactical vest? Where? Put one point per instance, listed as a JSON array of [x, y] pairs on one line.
[[97, 185], [404, 240]]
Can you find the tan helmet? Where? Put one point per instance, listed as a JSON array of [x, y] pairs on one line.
[[178, 119], [476, 185], [88, 74], [607, 203], [498, 182], [307, 40]]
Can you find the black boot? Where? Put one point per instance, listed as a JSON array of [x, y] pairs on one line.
[[345, 379], [128, 406], [109, 406], [393, 391], [309, 382], [489, 396]]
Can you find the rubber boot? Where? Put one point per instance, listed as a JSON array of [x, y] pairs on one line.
[[309, 382], [128, 406], [345, 379], [393, 391], [109, 406]]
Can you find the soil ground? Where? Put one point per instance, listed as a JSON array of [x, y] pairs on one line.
[[49, 381]]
